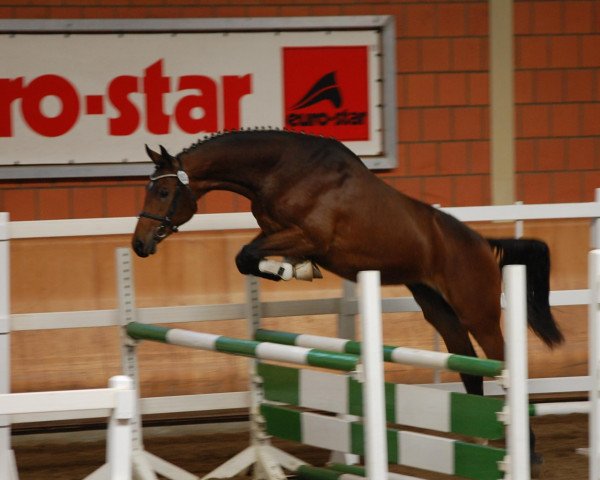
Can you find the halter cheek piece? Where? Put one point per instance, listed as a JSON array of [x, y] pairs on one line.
[[166, 221]]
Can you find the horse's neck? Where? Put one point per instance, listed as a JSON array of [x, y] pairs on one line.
[[236, 167]]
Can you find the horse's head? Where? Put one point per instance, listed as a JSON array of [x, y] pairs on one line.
[[169, 203]]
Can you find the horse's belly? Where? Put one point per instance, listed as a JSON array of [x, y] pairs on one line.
[[393, 272]]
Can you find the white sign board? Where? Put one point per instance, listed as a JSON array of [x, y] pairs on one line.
[[97, 98]]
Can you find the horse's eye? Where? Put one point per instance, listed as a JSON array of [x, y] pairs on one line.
[[163, 193]]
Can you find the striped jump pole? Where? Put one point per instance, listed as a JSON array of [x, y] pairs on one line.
[[246, 348], [409, 405], [404, 447], [407, 356]]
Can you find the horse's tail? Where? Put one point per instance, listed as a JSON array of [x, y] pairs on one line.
[[535, 255]]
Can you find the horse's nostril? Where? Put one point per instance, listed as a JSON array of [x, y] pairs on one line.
[[138, 247]]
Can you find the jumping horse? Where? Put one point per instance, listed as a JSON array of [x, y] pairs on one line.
[[317, 203]]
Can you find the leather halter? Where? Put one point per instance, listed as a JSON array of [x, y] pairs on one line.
[[166, 221]]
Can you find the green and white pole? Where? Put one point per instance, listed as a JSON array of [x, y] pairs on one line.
[[404, 447], [408, 356], [409, 405], [247, 348]]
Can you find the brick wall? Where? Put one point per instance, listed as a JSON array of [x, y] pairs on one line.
[[443, 97]]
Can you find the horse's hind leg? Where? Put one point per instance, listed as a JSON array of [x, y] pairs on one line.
[[480, 314], [443, 318]]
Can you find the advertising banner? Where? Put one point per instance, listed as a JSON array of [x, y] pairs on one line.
[[97, 98]]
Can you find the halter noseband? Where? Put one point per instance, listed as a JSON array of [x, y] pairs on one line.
[[166, 221]]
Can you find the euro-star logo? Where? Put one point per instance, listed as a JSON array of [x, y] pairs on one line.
[[195, 111], [326, 91]]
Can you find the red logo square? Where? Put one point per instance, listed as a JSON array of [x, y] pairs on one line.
[[326, 91]]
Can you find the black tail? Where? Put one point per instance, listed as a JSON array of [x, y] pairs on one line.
[[535, 255]]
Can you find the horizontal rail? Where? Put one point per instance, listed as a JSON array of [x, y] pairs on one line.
[[36, 402], [498, 213], [85, 227], [245, 220], [231, 311], [559, 408], [431, 453], [408, 405], [120, 396], [534, 385], [246, 348], [402, 355], [201, 402]]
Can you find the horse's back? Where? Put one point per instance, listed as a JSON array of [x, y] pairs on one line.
[[361, 222]]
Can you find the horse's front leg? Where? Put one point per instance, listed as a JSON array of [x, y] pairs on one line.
[[290, 244], [249, 264]]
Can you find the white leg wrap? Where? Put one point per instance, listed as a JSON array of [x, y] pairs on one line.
[[283, 270]]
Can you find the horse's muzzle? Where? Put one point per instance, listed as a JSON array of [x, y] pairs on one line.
[[143, 249]]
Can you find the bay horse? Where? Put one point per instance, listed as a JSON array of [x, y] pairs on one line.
[[314, 200]]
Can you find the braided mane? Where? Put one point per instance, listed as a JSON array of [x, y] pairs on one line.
[[225, 133], [222, 133]]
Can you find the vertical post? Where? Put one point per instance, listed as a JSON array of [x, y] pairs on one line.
[[7, 468], [373, 389], [502, 101], [265, 464], [519, 224], [516, 363], [594, 362], [119, 436], [346, 316], [437, 373], [595, 230], [253, 316], [346, 328], [127, 313], [253, 307]]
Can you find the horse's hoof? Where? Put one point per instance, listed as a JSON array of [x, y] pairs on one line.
[[536, 462], [316, 271], [307, 271]]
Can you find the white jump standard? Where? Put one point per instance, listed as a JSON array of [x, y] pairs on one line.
[[405, 404]]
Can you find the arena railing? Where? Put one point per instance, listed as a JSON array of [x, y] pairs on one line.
[[345, 306]]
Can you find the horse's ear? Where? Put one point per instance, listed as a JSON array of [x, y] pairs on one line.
[[154, 156], [162, 159], [168, 160], [163, 152]]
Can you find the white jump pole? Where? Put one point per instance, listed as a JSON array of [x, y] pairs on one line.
[[515, 327], [120, 431], [372, 361], [594, 362]]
